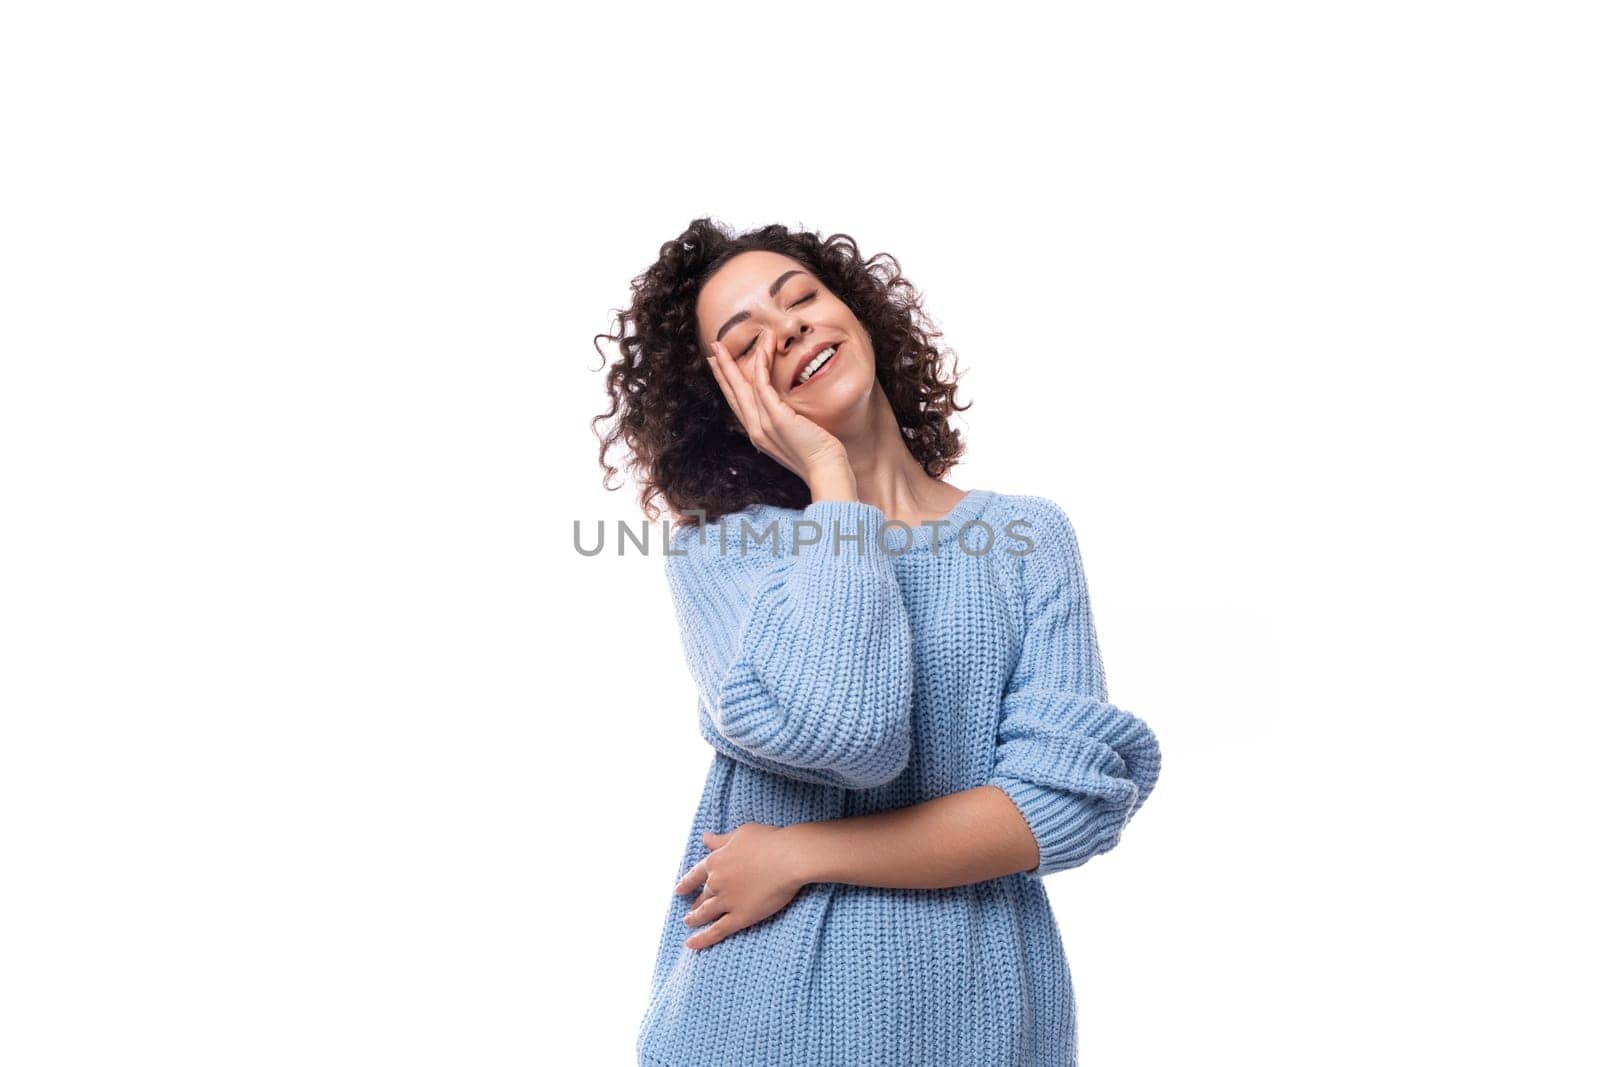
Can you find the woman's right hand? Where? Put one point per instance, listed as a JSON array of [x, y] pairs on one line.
[[775, 428]]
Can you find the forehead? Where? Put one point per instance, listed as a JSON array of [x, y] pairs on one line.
[[740, 283]]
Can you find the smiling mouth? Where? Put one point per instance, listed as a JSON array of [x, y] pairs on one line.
[[826, 357]]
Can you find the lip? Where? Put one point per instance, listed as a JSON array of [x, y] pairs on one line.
[[808, 357]]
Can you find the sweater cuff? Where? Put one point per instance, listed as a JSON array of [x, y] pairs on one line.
[[1067, 830], [844, 530]]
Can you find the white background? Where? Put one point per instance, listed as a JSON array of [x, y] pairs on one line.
[[322, 745]]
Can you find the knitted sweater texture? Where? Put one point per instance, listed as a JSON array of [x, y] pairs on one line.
[[846, 665]]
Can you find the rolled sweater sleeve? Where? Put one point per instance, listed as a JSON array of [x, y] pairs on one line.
[[1076, 766], [802, 661]]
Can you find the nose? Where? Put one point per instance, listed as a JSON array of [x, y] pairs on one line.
[[794, 330]]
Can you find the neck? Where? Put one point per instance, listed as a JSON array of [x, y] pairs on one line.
[[887, 475]]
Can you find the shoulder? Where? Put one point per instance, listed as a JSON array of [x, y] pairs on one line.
[[1031, 518], [1043, 546]]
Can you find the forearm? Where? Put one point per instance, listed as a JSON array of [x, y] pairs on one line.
[[953, 840]]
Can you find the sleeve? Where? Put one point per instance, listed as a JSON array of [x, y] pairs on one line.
[[802, 661], [1076, 766]]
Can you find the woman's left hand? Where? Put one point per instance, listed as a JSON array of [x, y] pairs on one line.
[[752, 872]]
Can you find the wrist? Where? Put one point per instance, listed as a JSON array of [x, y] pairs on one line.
[[831, 481], [802, 848]]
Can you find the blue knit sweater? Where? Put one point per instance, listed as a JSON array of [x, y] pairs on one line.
[[849, 664]]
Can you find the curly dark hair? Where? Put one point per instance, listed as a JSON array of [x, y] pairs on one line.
[[686, 443]]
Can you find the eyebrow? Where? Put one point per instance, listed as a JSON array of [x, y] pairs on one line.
[[772, 290]]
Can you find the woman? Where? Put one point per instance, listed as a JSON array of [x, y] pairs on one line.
[[900, 680]]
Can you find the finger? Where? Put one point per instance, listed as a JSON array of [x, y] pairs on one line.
[[733, 380], [713, 933], [720, 372], [768, 393], [748, 406], [757, 420], [720, 366], [777, 408], [692, 879], [761, 389], [708, 909]]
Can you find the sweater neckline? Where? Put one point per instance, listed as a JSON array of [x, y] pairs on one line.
[[966, 509]]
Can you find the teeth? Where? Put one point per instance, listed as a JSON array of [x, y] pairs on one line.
[[816, 363]]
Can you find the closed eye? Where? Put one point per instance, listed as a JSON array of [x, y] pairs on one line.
[[751, 347]]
